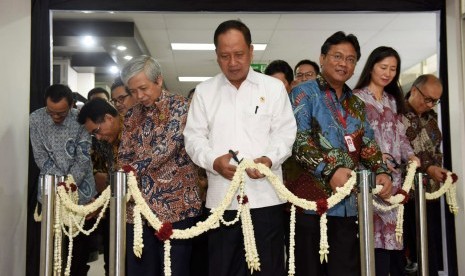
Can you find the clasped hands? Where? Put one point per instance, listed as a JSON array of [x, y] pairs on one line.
[[223, 167]]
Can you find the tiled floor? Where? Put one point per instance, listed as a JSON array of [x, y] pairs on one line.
[[96, 268]]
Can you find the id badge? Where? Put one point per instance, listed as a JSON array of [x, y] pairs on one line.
[[350, 143]]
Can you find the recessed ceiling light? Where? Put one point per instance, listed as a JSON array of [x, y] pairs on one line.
[[121, 47], [127, 57], [207, 46], [193, 79], [88, 41], [259, 46], [113, 69]]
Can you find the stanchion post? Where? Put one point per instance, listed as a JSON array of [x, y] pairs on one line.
[[422, 229], [117, 223], [47, 184], [366, 182]]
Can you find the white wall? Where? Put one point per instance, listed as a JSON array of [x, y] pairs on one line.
[[85, 82], [72, 80], [15, 37], [455, 49]]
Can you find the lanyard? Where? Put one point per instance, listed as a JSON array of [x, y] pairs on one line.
[[332, 107]]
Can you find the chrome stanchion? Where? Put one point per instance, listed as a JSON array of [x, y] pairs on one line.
[[422, 229], [117, 223], [48, 186], [366, 182]]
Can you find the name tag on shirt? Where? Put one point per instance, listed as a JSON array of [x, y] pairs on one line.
[[350, 143]]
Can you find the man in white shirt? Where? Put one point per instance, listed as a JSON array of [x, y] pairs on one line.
[[248, 113]]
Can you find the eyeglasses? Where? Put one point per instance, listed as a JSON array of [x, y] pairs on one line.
[[338, 58], [394, 163], [95, 131], [428, 99], [306, 75], [119, 100], [57, 114]]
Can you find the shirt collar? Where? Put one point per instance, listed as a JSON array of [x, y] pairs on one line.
[[425, 115], [252, 77], [158, 104], [324, 85]]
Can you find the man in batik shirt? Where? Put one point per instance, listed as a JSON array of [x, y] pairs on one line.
[[333, 138], [103, 122], [152, 142], [61, 147], [421, 128]]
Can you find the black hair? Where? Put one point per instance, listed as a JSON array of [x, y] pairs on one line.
[[95, 110], [97, 90], [338, 38], [309, 62], [117, 83], [57, 92], [190, 95], [233, 24], [393, 88], [280, 66]]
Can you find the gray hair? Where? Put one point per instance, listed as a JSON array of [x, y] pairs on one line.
[[146, 64]]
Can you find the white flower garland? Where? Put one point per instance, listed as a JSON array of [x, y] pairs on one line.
[[451, 199], [251, 252], [167, 257], [397, 200], [447, 187], [37, 216], [292, 242], [70, 219], [71, 215], [216, 215], [324, 246]]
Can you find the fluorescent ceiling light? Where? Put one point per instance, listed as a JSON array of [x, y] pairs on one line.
[[113, 69], [192, 46], [88, 40], [259, 46], [207, 46], [193, 79], [127, 57], [121, 47]]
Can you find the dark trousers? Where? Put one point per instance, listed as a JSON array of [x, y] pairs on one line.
[[433, 218], [199, 256], [226, 244], [344, 246], [81, 251], [151, 261], [389, 262]]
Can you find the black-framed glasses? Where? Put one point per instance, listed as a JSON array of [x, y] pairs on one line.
[[57, 114], [428, 99], [95, 131], [339, 57], [396, 165], [119, 100]]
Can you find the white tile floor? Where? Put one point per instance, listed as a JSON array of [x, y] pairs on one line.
[[96, 268]]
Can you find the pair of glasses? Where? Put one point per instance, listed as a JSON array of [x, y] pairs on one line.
[[95, 131], [394, 163], [119, 100], [339, 58], [56, 114], [306, 75], [428, 99]]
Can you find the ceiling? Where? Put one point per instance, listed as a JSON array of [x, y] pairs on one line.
[[290, 37]]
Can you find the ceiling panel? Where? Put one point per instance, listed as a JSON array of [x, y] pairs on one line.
[[290, 36]]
